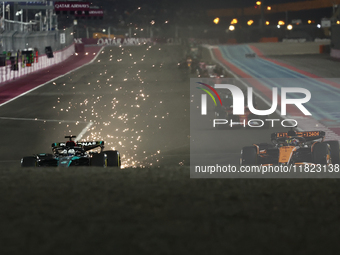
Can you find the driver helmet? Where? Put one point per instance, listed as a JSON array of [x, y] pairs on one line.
[[293, 141], [69, 152]]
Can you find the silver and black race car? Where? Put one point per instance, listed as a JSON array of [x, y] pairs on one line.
[[71, 153]]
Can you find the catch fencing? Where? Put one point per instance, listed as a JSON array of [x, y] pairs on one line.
[[15, 40]]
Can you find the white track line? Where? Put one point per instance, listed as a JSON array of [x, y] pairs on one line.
[[44, 120], [83, 131], [53, 79]]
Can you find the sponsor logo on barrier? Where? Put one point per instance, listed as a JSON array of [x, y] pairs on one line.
[[123, 41]]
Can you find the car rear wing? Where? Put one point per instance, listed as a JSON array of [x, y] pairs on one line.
[[91, 145], [88, 145], [308, 135]]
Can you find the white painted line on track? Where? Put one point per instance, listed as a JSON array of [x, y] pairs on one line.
[[83, 131], [60, 76], [44, 120]]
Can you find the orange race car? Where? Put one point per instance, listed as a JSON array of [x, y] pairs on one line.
[[292, 147]]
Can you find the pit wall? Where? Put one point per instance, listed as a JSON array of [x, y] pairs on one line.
[[6, 74]]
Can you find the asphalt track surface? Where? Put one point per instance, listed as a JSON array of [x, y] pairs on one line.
[[137, 101], [135, 98], [151, 210]]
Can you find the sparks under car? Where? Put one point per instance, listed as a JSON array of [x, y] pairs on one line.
[[291, 148], [71, 153]]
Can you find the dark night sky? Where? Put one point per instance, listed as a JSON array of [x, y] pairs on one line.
[[186, 6], [178, 10], [173, 4], [189, 6]]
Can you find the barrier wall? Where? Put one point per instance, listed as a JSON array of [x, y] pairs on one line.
[[269, 39], [15, 40], [335, 37], [6, 74]]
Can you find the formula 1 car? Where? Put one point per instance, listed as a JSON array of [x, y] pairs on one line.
[[188, 63], [194, 51], [71, 153], [292, 147], [209, 70]]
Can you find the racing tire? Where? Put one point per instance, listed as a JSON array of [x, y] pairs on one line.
[[113, 158], [99, 159], [28, 162], [248, 156], [321, 153], [46, 156], [335, 151]]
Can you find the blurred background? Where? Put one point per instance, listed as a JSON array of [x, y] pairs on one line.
[[209, 21]]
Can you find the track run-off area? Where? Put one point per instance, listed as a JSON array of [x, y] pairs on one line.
[[270, 73]]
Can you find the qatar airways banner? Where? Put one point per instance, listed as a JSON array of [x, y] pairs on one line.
[[72, 6], [116, 41]]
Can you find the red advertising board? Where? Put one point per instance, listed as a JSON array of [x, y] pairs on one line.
[[72, 6]]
